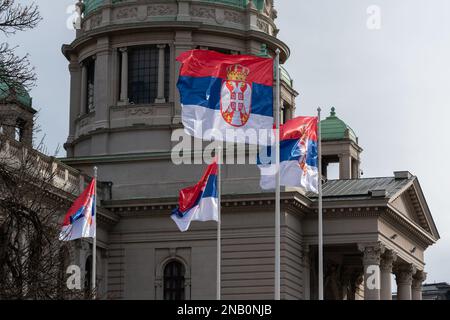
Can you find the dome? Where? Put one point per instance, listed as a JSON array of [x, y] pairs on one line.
[[20, 95], [91, 5], [333, 128]]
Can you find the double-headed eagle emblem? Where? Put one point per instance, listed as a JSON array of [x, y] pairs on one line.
[[236, 96]]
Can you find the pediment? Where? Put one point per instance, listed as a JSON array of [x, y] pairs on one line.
[[411, 202]]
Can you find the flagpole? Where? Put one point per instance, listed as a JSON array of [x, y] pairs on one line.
[[277, 180], [94, 243], [319, 212], [219, 220]]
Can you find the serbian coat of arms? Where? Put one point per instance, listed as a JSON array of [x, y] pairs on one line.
[[236, 96]]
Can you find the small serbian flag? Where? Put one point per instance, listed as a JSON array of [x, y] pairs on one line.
[[79, 221], [222, 93], [298, 156], [199, 202]]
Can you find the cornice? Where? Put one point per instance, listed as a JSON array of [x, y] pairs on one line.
[[173, 26], [292, 203]]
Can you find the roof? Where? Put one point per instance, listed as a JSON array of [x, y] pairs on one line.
[[365, 188], [333, 128], [20, 95], [91, 5], [403, 185]]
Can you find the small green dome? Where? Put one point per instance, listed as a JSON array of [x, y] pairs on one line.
[[333, 128], [18, 95]]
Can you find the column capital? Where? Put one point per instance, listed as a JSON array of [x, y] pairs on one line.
[[161, 46], [404, 274], [387, 260], [372, 252], [123, 49], [419, 277]]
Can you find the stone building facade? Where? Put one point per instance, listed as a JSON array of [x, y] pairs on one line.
[[124, 107]]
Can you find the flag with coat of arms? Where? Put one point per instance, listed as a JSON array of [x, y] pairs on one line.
[[221, 92]]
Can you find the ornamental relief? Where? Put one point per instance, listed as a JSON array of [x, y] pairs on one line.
[[203, 12], [140, 111], [96, 21], [263, 26], [126, 13], [235, 17], [162, 10]]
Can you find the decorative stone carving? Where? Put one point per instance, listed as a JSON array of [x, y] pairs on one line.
[[220, 16], [388, 258], [418, 278], [404, 274], [233, 16], [203, 12], [127, 13], [96, 21], [372, 253], [140, 110], [263, 26], [162, 10]]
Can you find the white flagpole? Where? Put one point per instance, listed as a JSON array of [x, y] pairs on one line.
[[94, 243], [219, 220], [277, 180], [319, 212]]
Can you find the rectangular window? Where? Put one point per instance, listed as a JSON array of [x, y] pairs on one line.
[[90, 85], [143, 74]]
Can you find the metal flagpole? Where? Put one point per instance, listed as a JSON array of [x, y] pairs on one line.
[[319, 212], [219, 220], [94, 243], [277, 180]]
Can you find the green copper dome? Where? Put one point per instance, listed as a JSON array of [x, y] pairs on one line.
[[19, 95], [91, 5], [334, 128]]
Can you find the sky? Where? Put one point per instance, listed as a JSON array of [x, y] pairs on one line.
[[383, 64]]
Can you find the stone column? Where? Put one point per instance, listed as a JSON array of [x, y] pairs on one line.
[[371, 262], [83, 102], [403, 276], [416, 287], [75, 104], [345, 166], [183, 42], [124, 76], [102, 87], [161, 70], [387, 260]]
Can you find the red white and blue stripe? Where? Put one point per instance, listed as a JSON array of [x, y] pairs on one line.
[[199, 202], [221, 92], [79, 221], [298, 156]]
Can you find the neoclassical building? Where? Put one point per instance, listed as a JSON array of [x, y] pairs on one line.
[[124, 107]]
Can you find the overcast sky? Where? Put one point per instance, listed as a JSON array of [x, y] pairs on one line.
[[391, 85]]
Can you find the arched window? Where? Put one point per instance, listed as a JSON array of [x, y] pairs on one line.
[[174, 281]]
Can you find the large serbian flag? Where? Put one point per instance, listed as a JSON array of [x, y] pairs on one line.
[[298, 156], [199, 202], [221, 93], [79, 221]]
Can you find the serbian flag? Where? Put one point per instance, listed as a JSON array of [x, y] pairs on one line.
[[79, 221], [222, 93], [298, 156], [199, 202]]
